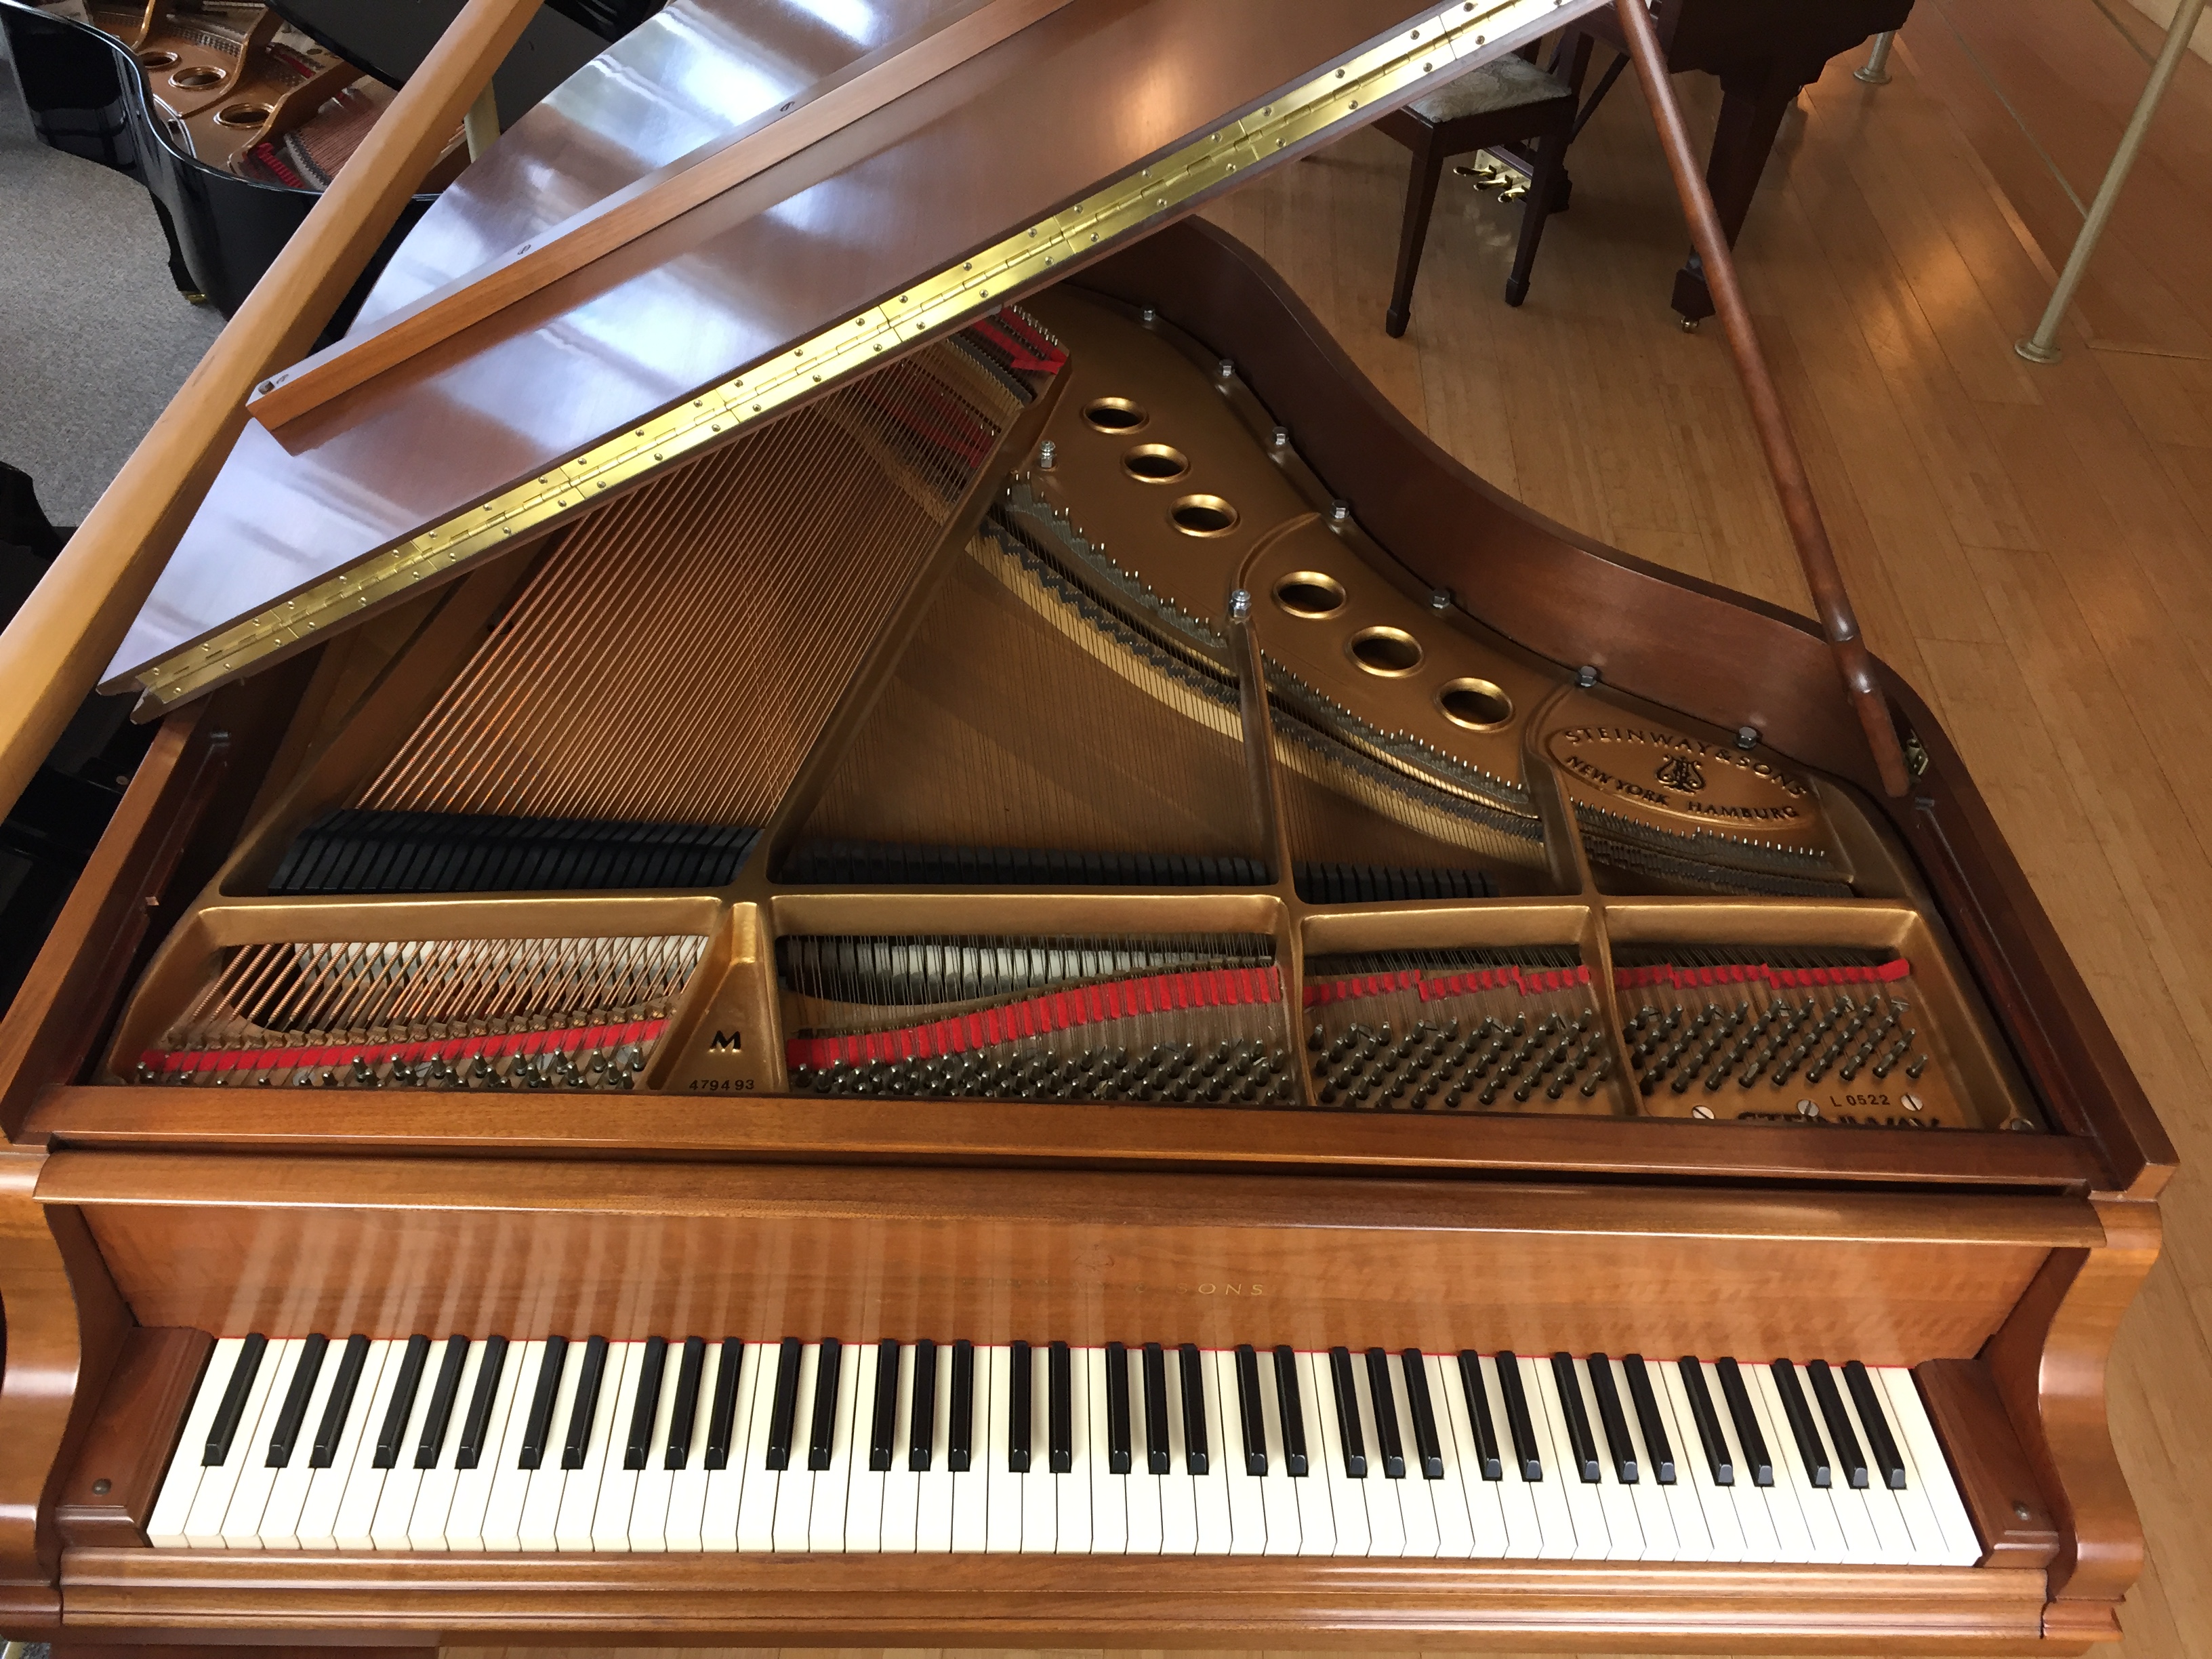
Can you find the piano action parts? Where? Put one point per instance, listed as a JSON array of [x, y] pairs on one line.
[[1030, 975]]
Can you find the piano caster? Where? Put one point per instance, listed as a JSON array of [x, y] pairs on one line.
[[195, 298], [1690, 325], [1516, 290]]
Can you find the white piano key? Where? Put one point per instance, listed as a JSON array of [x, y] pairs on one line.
[[249, 1499], [1039, 1491], [971, 1487], [864, 1487], [1572, 1526], [1386, 1517], [648, 1508], [1316, 1513], [1209, 1491], [1654, 1516], [1348, 1498], [1893, 1538], [1685, 1504], [1109, 1492], [510, 1481], [1455, 1539], [1142, 1485], [685, 1530], [825, 1524], [794, 1482], [541, 1501], [936, 1511], [1071, 1491], [580, 1494], [1279, 1496], [1178, 1488], [1753, 1505], [288, 1498], [1859, 1544], [395, 1503], [326, 1486], [901, 1533], [1928, 1545], [1247, 1508], [354, 1523], [746, 1488], [1927, 1470], [1624, 1529], [211, 1501], [1417, 1504], [1807, 1534], [1516, 1497], [606, 1524], [1562, 1472], [1002, 1520], [472, 1488], [433, 1499], [165, 1524]]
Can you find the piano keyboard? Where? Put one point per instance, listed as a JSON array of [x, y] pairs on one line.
[[583, 1444]]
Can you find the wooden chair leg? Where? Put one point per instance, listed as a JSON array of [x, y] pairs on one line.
[[1535, 208], [1420, 199]]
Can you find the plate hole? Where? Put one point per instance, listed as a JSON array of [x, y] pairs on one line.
[[1155, 464], [242, 115], [1203, 515], [1476, 704], [198, 77], [1114, 414], [1388, 651], [155, 60], [1309, 593]]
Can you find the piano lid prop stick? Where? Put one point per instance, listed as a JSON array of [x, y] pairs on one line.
[[711, 170], [53, 650], [1830, 596]]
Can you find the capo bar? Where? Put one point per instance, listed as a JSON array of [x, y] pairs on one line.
[[1830, 598]]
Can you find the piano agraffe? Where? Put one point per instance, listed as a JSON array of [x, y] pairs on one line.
[[886, 920]]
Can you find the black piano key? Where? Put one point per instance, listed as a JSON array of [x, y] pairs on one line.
[[403, 1402], [1478, 1415], [1579, 1439], [960, 1437], [339, 1407], [822, 1425], [538, 1429], [1812, 1455], [1881, 1442], [440, 1416], [1518, 1423], [1019, 1394], [295, 1411], [883, 1423], [722, 1420], [1758, 1461], [922, 1421], [1290, 1402], [1390, 1444], [477, 1424], [1851, 1462], [1060, 1408], [646, 1406], [1157, 1457], [1251, 1419], [1613, 1420], [1197, 1445], [576, 1445], [1120, 1450], [1658, 1451], [1347, 1395], [1718, 1458], [1427, 1442], [785, 1411], [684, 1412], [224, 1428]]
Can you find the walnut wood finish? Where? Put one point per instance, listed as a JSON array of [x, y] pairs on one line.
[[1999, 1492], [118, 1468]]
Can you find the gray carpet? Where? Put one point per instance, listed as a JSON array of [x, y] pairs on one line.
[[94, 335]]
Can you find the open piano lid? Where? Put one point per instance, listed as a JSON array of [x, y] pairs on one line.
[[1088, 129]]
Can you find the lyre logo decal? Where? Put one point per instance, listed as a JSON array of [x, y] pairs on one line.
[[1224, 1287], [726, 1042], [1680, 772]]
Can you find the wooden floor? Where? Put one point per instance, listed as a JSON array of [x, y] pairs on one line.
[[2031, 546]]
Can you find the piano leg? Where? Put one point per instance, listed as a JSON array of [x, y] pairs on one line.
[[1752, 104]]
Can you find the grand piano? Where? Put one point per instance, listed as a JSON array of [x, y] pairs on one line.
[[880, 919]]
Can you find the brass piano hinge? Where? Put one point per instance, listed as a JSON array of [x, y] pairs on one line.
[[1430, 48]]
